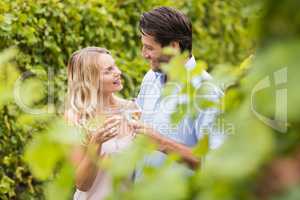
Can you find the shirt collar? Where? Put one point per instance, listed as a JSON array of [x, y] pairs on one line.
[[157, 74], [191, 63]]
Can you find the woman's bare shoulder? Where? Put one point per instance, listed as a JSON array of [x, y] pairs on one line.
[[124, 102]]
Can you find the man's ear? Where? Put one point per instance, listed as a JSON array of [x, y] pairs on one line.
[[175, 45]]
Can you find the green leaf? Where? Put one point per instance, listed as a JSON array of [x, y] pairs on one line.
[[202, 146], [181, 111], [61, 187], [248, 146], [167, 183], [42, 155]]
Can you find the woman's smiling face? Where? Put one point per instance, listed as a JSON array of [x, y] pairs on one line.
[[110, 75]]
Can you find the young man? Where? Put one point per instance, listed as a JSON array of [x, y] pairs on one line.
[[162, 27]]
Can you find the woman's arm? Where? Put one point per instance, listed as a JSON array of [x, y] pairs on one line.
[[87, 167], [89, 155]]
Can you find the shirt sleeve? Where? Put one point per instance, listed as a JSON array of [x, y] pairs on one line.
[[140, 97], [139, 100], [208, 122]]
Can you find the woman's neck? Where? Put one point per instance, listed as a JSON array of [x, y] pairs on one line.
[[107, 101]]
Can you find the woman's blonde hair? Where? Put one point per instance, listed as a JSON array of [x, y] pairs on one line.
[[83, 83]]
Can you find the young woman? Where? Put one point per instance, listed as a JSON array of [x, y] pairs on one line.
[[93, 78]]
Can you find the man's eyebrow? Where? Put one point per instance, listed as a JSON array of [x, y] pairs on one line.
[[146, 45]]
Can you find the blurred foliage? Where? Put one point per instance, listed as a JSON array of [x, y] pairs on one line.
[[49, 156], [16, 128], [224, 31], [47, 32]]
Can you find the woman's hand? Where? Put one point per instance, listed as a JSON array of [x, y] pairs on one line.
[[108, 131], [139, 127]]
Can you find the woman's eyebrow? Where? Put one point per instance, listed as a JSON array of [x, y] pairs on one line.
[[109, 66]]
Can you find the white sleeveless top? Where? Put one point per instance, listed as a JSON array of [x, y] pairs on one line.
[[102, 183]]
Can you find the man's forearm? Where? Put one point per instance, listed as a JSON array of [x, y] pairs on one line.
[[167, 145]]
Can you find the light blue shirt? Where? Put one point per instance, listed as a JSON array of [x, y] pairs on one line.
[[157, 110]]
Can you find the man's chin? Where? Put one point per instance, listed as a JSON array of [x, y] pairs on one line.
[[156, 68]]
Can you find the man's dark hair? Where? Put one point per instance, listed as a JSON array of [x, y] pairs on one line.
[[167, 24]]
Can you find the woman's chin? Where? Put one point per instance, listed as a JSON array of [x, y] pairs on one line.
[[118, 88], [114, 89]]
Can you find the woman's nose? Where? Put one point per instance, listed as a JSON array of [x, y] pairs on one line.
[[117, 71]]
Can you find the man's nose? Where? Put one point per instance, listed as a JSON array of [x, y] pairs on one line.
[[145, 54]]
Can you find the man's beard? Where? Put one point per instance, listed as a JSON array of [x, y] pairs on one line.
[[157, 69], [163, 59]]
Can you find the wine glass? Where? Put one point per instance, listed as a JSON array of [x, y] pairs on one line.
[[132, 111]]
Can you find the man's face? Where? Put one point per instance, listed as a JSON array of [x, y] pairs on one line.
[[152, 51]]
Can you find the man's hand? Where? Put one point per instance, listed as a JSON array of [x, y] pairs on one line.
[[167, 145]]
